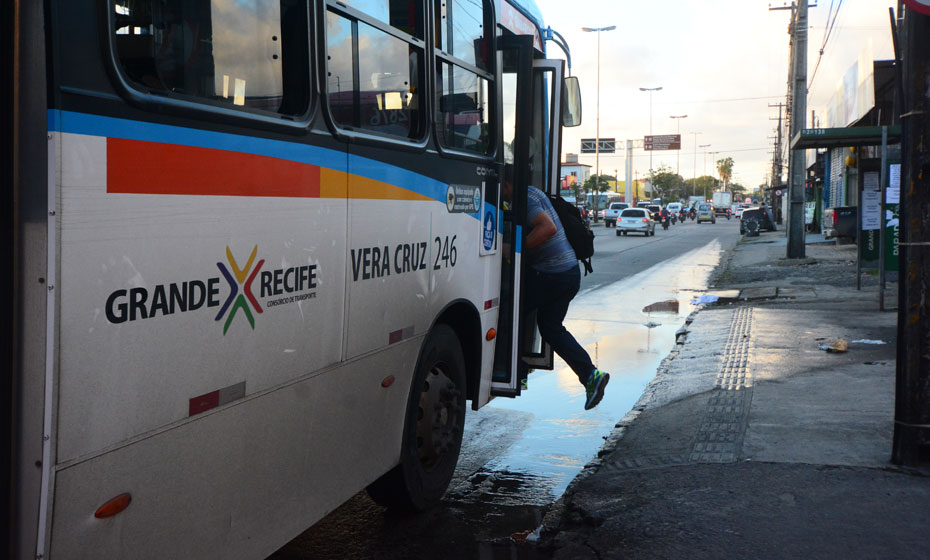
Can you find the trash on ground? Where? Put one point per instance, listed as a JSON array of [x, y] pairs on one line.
[[868, 341], [706, 298], [652, 325], [837, 347]]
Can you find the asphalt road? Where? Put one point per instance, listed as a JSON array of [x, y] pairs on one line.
[[520, 454]]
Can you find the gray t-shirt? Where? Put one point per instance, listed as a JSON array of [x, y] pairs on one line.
[[555, 254]]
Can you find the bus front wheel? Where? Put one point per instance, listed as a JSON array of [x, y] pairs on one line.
[[435, 421]]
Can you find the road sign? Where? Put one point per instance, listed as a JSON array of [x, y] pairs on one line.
[[606, 145], [662, 142]]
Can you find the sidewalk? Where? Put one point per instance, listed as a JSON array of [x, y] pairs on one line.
[[752, 441]]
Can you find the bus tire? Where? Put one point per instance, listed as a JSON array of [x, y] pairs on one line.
[[433, 428]]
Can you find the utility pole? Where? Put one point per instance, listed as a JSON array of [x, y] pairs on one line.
[[796, 160], [797, 96], [911, 444], [776, 163]]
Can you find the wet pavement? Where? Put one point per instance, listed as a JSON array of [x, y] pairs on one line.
[[627, 337], [752, 441], [519, 455]]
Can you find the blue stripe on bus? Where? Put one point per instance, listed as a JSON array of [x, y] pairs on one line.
[[96, 125], [519, 240]]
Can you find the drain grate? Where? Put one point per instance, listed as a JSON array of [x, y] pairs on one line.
[[720, 434]]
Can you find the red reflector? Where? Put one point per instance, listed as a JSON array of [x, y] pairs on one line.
[[113, 506], [492, 334], [203, 403], [488, 304], [387, 381]]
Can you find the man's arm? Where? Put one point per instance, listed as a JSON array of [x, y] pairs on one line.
[[541, 230]]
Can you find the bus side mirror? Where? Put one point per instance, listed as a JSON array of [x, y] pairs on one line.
[[571, 102]]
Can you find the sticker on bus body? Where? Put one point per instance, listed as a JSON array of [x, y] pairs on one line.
[[463, 199]]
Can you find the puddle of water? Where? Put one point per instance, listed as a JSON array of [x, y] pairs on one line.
[[610, 323]]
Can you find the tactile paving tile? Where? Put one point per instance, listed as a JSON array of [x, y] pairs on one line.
[[720, 434]]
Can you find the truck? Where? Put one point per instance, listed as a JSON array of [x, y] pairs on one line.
[[612, 213], [722, 201]]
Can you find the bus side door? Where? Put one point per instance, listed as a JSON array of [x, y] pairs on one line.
[[531, 92]]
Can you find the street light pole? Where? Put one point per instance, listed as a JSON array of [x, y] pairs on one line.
[[597, 118], [650, 90], [705, 146], [694, 167], [678, 131], [712, 158]]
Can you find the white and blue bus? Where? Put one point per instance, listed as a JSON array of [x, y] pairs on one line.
[[257, 259]]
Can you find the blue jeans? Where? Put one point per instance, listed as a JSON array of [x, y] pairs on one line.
[[550, 295]]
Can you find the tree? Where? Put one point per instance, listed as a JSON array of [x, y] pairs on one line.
[[738, 190], [701, 186], [725, 170], [598, 184], [665, 182], [578, 190]]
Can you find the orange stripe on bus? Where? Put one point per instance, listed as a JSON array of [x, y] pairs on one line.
[[372, 189], [140, 167]]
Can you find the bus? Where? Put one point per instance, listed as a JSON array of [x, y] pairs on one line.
[[260, 260]]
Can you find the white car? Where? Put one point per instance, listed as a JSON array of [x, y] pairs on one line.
[[635, 219], [673, 207]]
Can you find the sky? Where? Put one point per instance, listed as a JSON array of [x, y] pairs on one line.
[[721, 63]]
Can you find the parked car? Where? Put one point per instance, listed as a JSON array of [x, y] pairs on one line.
[[758, 218], [635, 220], [612, 212], [840, 222], [705, 213]]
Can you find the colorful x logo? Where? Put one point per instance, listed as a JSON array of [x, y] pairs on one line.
[[235, 298]]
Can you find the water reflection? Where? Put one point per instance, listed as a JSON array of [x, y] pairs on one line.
[[562, 437]]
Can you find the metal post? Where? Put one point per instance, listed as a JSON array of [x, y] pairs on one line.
[[597, 119], [629, 174], [694, 168], [881, 231], [597, 133]]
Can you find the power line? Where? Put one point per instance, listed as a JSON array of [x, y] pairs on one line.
[[827, 33], [722, 100]]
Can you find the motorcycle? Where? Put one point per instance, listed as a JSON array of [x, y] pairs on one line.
[[683, 216], [664, 221], [674, 218]]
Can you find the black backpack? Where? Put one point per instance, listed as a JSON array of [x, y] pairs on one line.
[[579, 235]]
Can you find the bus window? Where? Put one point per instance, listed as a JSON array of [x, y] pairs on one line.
[[463, 75], [463, 109], [250, 54], [405, 15], [460, 31], [373, 77]]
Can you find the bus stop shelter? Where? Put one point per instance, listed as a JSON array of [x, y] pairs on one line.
[[871, 203]]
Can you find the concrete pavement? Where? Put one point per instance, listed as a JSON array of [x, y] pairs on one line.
[[752, 441]]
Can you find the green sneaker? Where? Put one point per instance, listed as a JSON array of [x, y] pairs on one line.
[[594, 388]]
